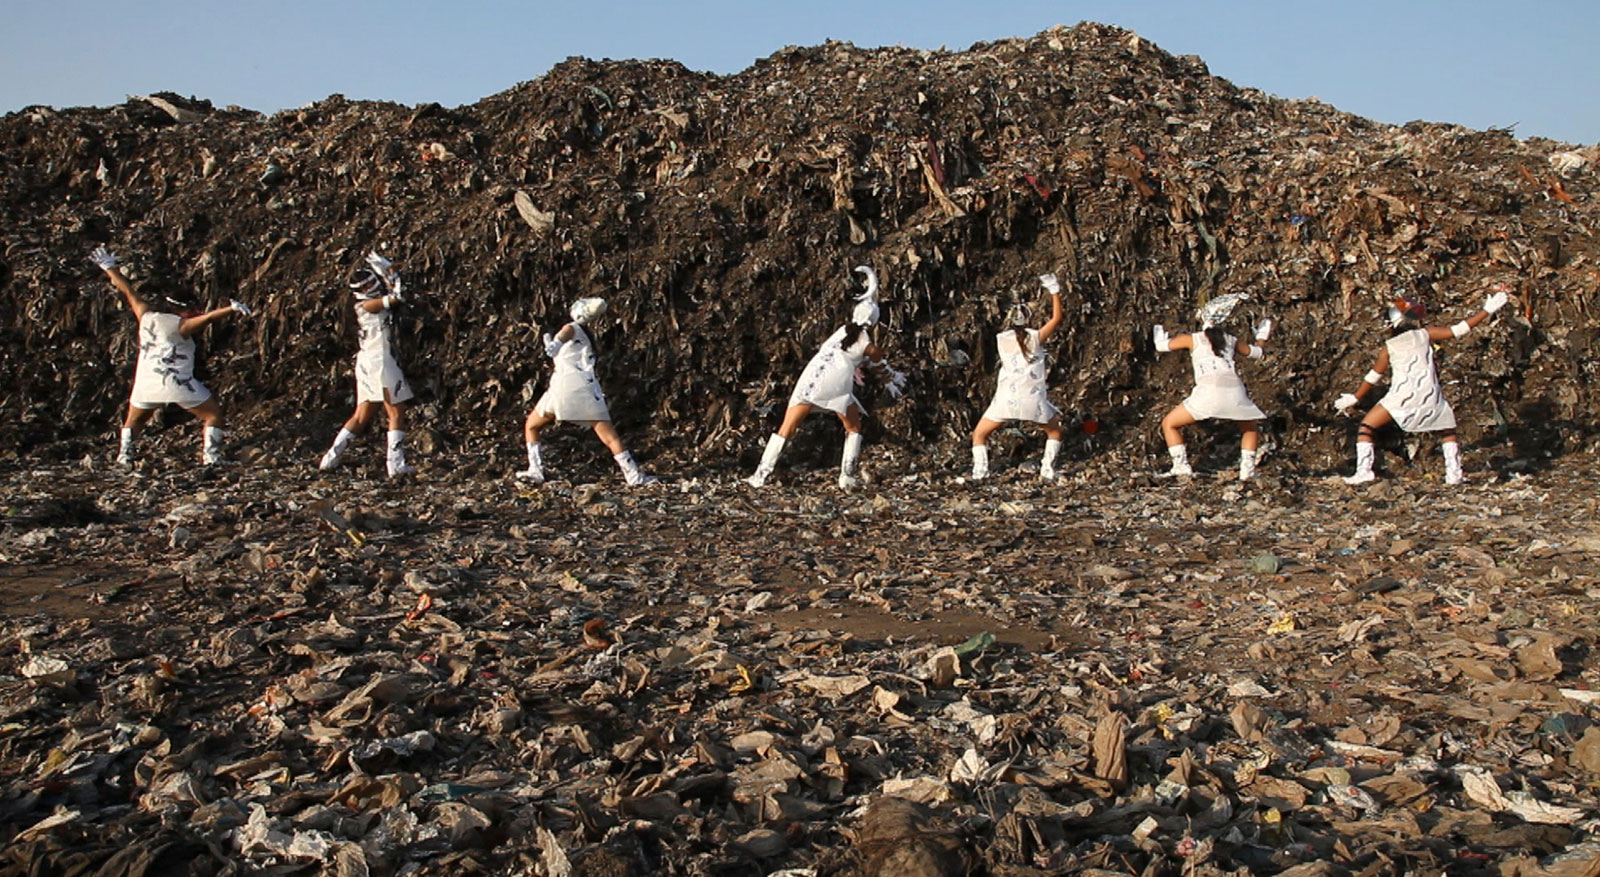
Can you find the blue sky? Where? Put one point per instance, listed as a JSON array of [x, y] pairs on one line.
[[1473, 62]]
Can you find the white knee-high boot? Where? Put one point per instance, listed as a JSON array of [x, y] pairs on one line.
[[769, 461], [1452, 463], [847, 461], [1047, 465], [535, 470], [980, 462], [1365, 456]]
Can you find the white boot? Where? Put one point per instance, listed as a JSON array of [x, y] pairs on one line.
[[341, 441], [397, 454], [1247, 464], [630, 470], [211, 447], [980, 462], [1047, 465], [535, 470], [769, 461], [847, 461], [125, 449], [1365, 455], [1452, 463], [1180, 462]]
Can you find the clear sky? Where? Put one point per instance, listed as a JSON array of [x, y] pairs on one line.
[[1481, 63]]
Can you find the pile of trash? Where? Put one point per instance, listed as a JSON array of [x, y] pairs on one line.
[[261, 667], [206, 671], [721, 217]]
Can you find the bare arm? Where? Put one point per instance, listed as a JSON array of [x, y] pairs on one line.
[[1379, 367], [1181, 342], [194, 324], [1445, 333], [120, 281], [1054, 323]]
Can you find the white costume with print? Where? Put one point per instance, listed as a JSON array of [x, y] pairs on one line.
[[574, 395], [1415, 398], [166, 365], [829, 379], [1020, 393], [1218, 392], [376, 369]]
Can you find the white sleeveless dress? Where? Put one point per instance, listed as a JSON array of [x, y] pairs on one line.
[[1218, 393], [574, 394], [376, 369], [829, 379], [1020, 393], [165, 374], [1416, 398]]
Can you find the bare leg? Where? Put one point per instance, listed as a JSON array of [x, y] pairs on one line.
[[1366, 455], [792, 418], [1249, 440], [851, 418], [1177, 419], [608, 437], [530, 437], [132, 425], [210, 415], [980, 447]]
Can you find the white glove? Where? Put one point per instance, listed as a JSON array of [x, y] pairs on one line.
[[1163, 343], [1345, 402], [893, 381], [394, 287], [1495, 302], [1051, 284], [240, 307], [551, 345], [1264, 329], [103, 258]]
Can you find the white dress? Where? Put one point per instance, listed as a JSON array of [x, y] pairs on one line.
[[376, 369], [1218, 392], [1020, 393], [574, 395], [1415, 398], [829, 380], [166, 365]]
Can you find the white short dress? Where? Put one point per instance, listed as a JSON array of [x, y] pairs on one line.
[[829, 380], [165, 374], [1416, 398], [574, 394], [1020, 393], [1218, 393], [376, 369]]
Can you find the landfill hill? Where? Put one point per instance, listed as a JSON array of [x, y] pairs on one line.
[[721, 216]]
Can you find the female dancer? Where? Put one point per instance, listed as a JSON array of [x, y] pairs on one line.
[[379, 380], [165, 374], [1218, 392], [1415, 399], [1020, 393], [574, 396], [829, 382]]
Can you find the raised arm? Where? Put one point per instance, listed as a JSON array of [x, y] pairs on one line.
[[107, 262], [1053, 287], [1258, 349], [1490, 305], [194, 324], [1165, 342]]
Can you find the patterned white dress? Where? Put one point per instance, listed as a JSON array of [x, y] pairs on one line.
[[165, 374], [574, 395], [1218, 393], [1416, 398], [1020, 393], [829, 379], [376, 369]]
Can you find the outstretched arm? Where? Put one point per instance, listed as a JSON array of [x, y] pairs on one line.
[[107, 262], [1491, 304], [1165, 342], [1258, 349], [1053, 287], [194, 324]]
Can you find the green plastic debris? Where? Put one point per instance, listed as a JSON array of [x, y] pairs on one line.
[[1265, 563], [976, 645]]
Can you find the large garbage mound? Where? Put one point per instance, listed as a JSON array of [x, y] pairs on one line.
[[721, 217]]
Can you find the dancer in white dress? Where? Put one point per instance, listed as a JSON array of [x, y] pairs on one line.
[[829, 382], [1415, 401], [378, 376], [1218, 392], [165, 374], [574, 396], [1020, 392], [379, 381]]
